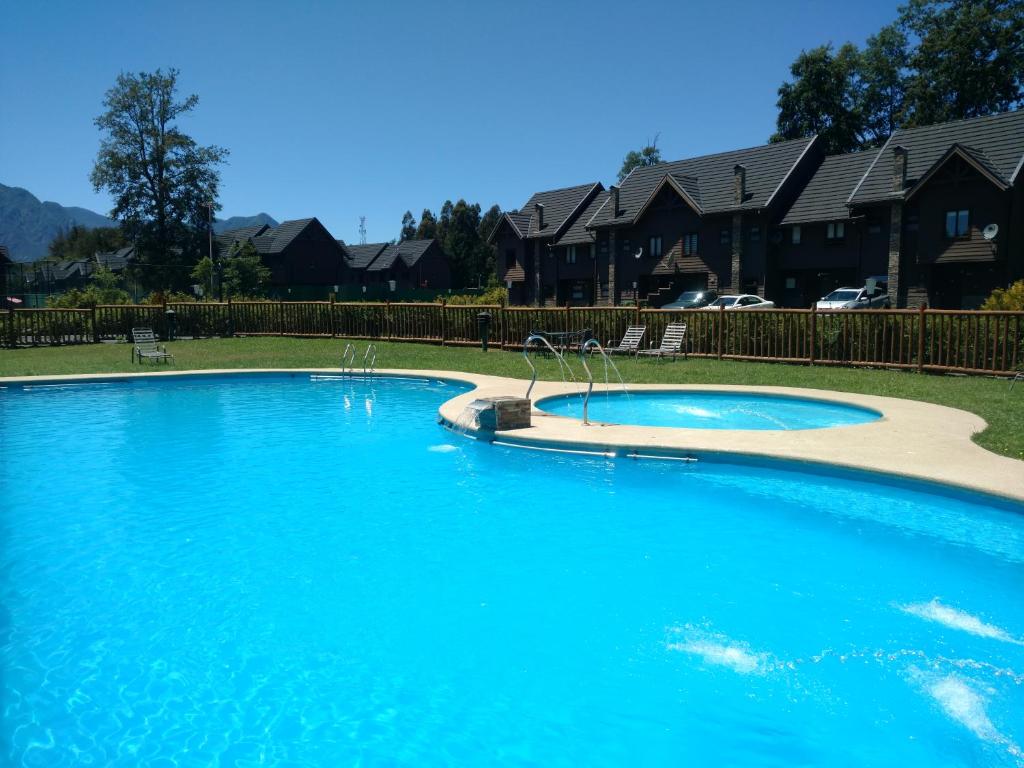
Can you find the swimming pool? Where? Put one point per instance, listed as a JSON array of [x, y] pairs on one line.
[[272, 570], [710, 410]]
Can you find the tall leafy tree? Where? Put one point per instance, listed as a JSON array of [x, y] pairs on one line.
[[159, 177], [461, 241], [968, 60], [822, 99], [882, 84], [81, 244], [408, 227], [427, 228], [649, 155], [488, 260]]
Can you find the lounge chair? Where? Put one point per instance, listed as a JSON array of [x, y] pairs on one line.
[[145, 347], [672, 343], [1017, 377], [630, 343]]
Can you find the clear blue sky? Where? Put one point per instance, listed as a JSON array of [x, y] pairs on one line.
[[341, 110]]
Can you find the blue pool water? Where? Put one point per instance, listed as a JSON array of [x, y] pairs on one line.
[[273, 571], [710, 410]]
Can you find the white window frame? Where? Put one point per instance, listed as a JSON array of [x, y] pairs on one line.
[[570, 254], [655, 246], [835, 230]]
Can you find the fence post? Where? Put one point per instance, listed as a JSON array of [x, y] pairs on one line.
[[9, 329], [387, 316], [721, 323], [814, 334], [231, 318], [920, 337], [280, 317], [95, 328], [444, 320]]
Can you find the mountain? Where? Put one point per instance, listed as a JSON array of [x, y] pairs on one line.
[[237, 222], [27, 225]]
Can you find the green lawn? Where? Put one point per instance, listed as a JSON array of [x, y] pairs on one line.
[[989, 398]]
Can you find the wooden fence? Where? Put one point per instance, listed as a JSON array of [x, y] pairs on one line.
[[919, 339]]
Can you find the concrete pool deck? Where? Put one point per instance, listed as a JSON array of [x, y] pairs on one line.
[[913, 439]]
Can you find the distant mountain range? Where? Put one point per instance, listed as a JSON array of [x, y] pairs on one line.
[[27, 225], [236, 222]]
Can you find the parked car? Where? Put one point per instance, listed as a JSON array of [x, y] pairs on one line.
[[741, 301], [692, 300], [856, 298]]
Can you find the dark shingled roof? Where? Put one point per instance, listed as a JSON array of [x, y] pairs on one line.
[[995, 141], [360, 256], [409, 251], [577, 233], [117, 260], [559, 206], [824, 198], [274, 241], [229, 237], [709, 180]]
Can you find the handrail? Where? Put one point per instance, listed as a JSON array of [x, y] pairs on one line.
[[348, 356], [373, 359], [526, 355]]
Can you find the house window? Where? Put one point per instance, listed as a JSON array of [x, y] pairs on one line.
[[795, 235], [570, 254], [655, 249], [874, 227], [690, 243], [724, 236], [836, 230], [755, 234], [957, 224], [910, 223], [510, 258]]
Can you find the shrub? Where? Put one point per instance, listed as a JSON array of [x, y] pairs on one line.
[[1009, 299], [496, 294]]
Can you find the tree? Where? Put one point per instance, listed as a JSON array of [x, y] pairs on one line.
[[822, 99], [969, 58], [882, 75], [159, 177], [649, 155], [104, 287], [82, 244], [460, 226], [244, 273], [408, 227], [427, 227], [489, 260]]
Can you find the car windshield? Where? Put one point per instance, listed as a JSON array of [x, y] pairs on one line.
[[842, 296], [724, 301], [690, 296]]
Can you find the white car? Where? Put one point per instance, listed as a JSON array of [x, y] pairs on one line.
[[741, 301], [856, 298]]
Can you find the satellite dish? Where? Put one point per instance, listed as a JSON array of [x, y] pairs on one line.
[[990, 232], [639, 253]]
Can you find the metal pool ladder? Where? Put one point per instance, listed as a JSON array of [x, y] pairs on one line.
[[348, 358], [368, 368]]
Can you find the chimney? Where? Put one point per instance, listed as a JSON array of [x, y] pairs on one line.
[[613, 193], [899, 168], [739, 184], [539, 208]]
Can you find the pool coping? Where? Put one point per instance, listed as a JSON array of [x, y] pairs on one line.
[[916, 440]]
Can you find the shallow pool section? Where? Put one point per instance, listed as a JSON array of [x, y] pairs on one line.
[[277, 571], [710, 410]]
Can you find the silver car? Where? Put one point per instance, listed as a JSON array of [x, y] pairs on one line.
[[856, 298], [741, 301]]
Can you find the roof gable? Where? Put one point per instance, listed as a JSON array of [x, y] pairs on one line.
[[974, 158], [999, 139], [276, 240], [561, 206], [362, 255], [686, 187], [767, 167]]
